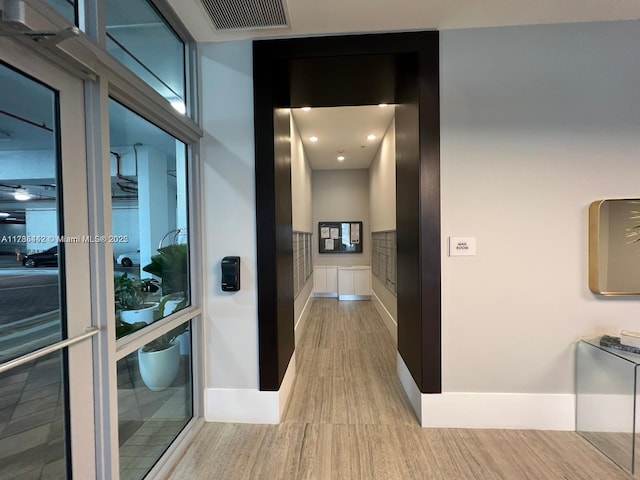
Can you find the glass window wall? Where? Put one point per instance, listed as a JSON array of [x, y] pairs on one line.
[[154, 400], [66, 8], [143, 41], [149, 215]]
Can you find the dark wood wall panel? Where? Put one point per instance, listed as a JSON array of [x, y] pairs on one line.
[[430, 230], [273, 222], [409, 291], [342, 80], [295, 72]]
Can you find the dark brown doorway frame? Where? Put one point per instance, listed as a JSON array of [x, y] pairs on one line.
[[288, 73]]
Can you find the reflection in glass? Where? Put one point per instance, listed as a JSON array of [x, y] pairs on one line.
[[149, 197], [66, 8], [154, 400], [606, 396], [29, 280], [141, 39], [32, 423]]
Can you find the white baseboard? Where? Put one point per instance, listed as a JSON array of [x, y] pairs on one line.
[[244, 405], [387, 318], [286, 386], [528, 411], [302, 320]]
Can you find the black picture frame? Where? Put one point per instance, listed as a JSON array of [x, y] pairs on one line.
[[340, 236]]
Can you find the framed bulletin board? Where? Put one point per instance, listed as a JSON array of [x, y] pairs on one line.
[[340, 237]]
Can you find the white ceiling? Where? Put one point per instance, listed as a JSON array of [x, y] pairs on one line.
[[342, 131], [345, 128], [326, 17]]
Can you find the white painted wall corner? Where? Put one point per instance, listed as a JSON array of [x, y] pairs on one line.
[[243, 405]]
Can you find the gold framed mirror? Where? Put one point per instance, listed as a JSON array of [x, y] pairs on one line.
[[614, 247]]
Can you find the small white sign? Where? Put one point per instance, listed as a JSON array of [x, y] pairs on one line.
[[462, 246]]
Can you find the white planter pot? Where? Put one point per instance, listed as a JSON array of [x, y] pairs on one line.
[[141, 315], [185, 342], [159, 369], [170, 306]]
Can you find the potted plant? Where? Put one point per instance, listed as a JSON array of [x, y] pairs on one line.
[[131, 296], [171, 266], [159, 360]]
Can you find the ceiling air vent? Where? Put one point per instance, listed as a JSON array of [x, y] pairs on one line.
[[246, 14]]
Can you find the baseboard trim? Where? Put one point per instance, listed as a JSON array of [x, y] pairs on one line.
[[245, 405], [528, 411], [386, 316], [410, 388], [302, 320]]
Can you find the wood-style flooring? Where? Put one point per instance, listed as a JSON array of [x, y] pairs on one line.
[[348, 418]]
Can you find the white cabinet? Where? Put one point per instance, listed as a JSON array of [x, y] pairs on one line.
[[354, 283], [325, 281]]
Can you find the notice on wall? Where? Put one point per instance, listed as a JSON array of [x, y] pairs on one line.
[[355, 233], [340, 237]]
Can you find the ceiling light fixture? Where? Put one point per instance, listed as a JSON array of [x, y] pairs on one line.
[[306, 109], [340, 158], [21, 195], [371, 137], [382, 105], [313, 139]]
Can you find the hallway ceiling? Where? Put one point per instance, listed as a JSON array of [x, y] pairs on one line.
[[342, 131], [328, 17]]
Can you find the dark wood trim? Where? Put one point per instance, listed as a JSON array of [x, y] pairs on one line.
[[420, 342]]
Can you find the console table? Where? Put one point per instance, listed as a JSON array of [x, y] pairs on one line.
[[607, 395]]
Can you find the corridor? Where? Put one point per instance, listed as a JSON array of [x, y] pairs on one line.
[[348, 418]]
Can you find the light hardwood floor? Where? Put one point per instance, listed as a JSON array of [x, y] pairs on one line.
[[348, 418]]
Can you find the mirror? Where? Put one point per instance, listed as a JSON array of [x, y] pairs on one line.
[[614, 247]]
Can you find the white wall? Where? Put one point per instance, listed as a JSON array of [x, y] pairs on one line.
[[537, 122], [227, 150], [301, 188], [382, 208], [342, 195], [382, 183]]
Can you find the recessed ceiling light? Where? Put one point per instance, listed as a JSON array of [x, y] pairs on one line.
[[371, 137], [21, 195], [306, 109], [313, 139], [340, 158], [382, 105]]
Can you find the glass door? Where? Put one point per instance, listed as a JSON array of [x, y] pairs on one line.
[[46, 379]]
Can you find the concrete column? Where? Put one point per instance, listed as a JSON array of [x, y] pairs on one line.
[[153, 194]]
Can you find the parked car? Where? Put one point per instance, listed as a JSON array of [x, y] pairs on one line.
[[48, 258], [129, 259]]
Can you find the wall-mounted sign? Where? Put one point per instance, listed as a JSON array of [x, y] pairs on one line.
[[462, 246]]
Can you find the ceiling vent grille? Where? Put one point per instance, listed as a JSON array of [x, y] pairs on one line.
[[246, 14]]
